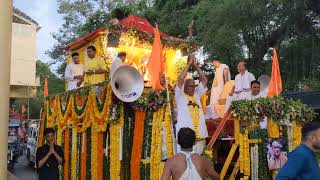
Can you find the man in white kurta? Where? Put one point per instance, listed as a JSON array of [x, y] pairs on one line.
[[242, 81], [184, 91], [222, 76], [74, 73], [242, 85]]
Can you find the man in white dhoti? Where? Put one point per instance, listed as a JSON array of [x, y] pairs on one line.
[[190, 113], [74, 73], [222, 76], [188, 165]]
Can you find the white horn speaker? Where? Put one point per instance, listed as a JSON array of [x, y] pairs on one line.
[[127, 83]]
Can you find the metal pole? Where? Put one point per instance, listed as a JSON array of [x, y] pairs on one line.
[[5, 61]]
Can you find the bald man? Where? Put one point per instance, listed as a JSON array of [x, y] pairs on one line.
[[242, 82], [188, 97]]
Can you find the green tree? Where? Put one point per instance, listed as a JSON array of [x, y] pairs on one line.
[[55, 86], [234, 30]]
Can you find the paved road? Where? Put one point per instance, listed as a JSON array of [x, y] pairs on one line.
[[23, 171]]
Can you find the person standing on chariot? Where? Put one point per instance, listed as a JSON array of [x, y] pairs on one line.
[[190, 113]]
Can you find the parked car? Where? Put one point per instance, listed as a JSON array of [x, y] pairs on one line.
[[14, 146], [32, 141]]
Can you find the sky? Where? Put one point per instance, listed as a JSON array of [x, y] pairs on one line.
[[45, 13]]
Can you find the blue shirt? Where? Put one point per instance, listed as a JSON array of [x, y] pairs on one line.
[[301, 165]]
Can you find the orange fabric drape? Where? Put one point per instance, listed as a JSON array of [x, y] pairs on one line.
[[275, 85], [156, 64], [137, 145]]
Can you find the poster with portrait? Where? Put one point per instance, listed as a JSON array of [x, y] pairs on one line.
[[277, 153]]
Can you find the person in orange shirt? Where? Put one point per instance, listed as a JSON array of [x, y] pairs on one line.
[[95, 67]]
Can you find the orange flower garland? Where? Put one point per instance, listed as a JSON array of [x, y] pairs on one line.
[[100, 156], [100, 118], [66, 154], [137, 145]]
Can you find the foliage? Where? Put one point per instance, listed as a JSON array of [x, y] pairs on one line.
[[233, 30], [280, 110], [55, 86]]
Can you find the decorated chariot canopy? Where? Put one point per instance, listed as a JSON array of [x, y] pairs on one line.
[[134, 36]]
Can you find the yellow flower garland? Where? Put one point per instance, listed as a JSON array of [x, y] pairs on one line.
[[94, 151], [244, 154], [51, 118], [115, 164], [74, 155], [168, 130], [156, 142], [296, 132], [195, 115], [273, 129]]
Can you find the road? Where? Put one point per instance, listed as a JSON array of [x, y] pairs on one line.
[[23, 171]]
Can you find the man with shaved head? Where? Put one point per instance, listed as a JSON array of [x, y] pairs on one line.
[[189, 108], [242, 81]]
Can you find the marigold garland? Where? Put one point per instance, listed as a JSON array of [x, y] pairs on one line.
[[74, 155], [137, 145], [244, 154], [100, 156], [167, 125], [83, 156], [273, 129], [115, 165], [194, 114], [94, 155], [66, 154], [296, 139], [156, 142]]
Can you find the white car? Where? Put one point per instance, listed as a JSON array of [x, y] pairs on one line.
[[32, 141]]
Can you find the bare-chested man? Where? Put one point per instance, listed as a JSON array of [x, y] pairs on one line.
[[187, 165]]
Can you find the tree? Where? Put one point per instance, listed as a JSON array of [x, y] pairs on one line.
[[55, 86], [234, 30]]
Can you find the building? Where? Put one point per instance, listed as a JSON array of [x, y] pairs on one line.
[[23, 81]]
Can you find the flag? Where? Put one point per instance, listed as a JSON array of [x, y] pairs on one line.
[[156, 64], [275, 85], [45, 88], [23, 108]]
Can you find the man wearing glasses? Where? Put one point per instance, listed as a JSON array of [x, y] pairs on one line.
[[189, 108]]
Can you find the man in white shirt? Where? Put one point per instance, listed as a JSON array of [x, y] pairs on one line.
[[221, 77], [74, 73], [242, 82], [190, 113]]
